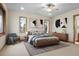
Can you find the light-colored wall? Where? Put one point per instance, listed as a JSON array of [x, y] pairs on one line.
[[69, 16], [6, 17], [14, 21]]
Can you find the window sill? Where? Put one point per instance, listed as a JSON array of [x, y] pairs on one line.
[[1, 34]]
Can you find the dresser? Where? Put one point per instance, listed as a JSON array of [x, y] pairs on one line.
[[61, 36]]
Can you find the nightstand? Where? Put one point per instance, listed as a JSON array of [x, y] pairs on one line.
[[23, 37]]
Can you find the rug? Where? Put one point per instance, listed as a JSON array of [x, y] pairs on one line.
[[34, 51]]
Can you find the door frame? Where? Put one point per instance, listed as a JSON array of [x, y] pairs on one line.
[[74, 27]]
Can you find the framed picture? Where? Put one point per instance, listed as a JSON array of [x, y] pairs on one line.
[[66, 20], [32, 22], [57, 23], [41, 21]]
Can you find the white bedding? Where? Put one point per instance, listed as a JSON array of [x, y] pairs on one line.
[[46, 38], [52, 37], [30, 36]]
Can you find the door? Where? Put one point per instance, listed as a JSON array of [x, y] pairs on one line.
[[76, 29]]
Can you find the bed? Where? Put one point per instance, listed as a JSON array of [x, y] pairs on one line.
[[43, 40]]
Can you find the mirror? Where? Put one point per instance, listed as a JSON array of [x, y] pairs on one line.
[[46, 26], [22, 24]]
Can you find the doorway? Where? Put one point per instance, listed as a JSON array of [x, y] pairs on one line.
[[76, 28]]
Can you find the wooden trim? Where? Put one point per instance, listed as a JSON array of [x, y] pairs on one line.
[[74, 27], [1, 34], [4, 21], [70, 42]]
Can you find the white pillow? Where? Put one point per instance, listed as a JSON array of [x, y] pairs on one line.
[[30, 36]]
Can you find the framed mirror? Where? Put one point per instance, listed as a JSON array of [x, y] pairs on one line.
[[22, 24], [46, 26]]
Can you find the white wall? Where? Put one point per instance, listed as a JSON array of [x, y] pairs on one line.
[[6, 17], [69, 15], [14, 20]]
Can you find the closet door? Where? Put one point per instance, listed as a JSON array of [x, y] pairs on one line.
[[77, 27], [76, 33]]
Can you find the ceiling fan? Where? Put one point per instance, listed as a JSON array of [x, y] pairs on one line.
[[49, 7]]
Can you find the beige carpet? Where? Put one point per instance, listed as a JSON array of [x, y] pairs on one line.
[[20, 50], [14, 50]]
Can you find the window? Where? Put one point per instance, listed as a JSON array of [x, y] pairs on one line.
[[2, 20], [1, 23]]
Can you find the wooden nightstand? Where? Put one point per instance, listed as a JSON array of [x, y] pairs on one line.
[[26, 39], [23, 37]]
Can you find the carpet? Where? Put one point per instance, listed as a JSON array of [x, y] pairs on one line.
[[34, 51]]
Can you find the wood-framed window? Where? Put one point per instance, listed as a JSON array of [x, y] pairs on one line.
[[2, 20]]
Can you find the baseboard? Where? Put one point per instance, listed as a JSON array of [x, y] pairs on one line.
[[71, 42]]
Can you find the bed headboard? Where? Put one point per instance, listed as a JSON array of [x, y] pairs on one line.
[[35, 32]]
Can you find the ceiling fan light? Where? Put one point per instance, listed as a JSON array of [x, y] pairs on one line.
[[22, 8], [49, 10]]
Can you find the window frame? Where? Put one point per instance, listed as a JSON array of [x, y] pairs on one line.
[[3, 15]]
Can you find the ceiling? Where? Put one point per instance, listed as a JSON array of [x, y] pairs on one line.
[[37, 8]]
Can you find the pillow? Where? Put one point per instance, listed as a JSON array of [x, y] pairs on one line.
[[30, 37]]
